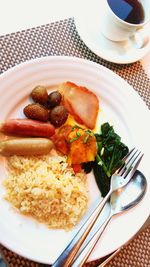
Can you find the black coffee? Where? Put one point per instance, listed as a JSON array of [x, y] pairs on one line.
[[128, 10]]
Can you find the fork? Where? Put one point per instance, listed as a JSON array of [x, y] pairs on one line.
[[118, 180]]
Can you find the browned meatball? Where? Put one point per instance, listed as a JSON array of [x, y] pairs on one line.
[[58, 115], [54, 99], [39, 94], [36, 112]]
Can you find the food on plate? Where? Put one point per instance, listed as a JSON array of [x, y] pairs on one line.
[[82, 103], [70, 98], [27, 127], [110, 154], [50, 108], [83, 146], [58, 115], [39, 94], [47, 169], [78, 143], [54, 99], [25, 146], [36, 112], [78, 146], [47, 189], [60, 139]]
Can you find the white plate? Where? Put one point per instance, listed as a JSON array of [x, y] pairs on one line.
[[89, 20], [120, 105]]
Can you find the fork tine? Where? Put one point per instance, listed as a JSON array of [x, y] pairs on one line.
[[130, 163], [130, 172], [129, 153], [124, 160], [127, 160]]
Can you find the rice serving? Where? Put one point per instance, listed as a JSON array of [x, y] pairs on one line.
[[47, 189]]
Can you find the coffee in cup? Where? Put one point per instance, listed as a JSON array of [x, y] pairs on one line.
[[131, 11], [124, 19]]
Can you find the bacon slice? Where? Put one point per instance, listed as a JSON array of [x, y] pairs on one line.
[[81, 103]]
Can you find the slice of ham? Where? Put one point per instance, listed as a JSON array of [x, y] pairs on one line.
[[81, 103]]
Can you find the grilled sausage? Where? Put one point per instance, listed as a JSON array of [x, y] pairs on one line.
[[26, 146], [27, 127]]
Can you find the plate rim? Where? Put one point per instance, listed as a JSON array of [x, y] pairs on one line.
[[63, 57], [47, 58]]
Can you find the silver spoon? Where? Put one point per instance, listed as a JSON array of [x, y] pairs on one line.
[[118, 180], [120, 201]]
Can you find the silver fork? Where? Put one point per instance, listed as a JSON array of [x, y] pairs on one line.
[[118, 180]]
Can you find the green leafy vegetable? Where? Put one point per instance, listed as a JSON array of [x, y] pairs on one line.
[[109, 157], [88, 166]]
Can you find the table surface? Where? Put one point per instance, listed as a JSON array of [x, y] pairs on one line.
[[19, 15]]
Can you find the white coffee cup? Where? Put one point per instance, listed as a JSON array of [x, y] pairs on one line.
[[116, 29]]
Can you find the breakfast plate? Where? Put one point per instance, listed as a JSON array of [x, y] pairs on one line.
[[89, 26], [120, 105]]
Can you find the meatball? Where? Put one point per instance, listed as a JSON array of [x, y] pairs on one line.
[[39, 94], [54, 99], [36, 112], [58, 115]]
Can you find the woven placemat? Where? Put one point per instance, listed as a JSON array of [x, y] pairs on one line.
[[135, 254], [61, 38]]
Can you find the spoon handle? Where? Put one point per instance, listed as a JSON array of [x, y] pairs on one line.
[[84, 254], [68, 255]]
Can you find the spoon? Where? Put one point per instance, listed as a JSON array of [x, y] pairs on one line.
[[118, 180], [120, 202]]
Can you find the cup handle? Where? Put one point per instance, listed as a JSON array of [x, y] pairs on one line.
[[141, 38]]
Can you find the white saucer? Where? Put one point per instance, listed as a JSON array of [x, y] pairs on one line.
[[88, 23]]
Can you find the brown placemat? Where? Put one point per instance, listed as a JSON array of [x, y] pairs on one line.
[[61, 38], [135, 254]]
